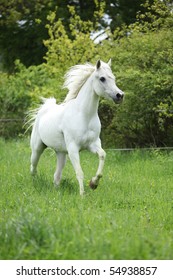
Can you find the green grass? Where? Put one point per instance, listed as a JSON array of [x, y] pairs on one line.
[[129, 216]]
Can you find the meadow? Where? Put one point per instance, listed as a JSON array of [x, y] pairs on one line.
[[129, 216]]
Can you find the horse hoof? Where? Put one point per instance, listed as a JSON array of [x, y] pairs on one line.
[[93, 185]]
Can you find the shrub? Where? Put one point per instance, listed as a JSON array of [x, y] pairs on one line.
[[144, 68], [22, 91], [143, 63]]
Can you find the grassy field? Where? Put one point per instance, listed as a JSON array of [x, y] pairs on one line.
[[129, 216]]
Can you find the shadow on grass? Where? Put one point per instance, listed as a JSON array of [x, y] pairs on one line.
[[42, 183], [68, 186]]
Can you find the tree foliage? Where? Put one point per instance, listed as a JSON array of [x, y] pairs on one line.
[[142, 61], [144, 71], [21, 34], [22, 24], [65, 49]]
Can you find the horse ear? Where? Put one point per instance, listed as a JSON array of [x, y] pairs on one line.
[[98, 64], [110, 62]]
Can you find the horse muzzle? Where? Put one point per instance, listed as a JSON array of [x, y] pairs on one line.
[[118, 97]]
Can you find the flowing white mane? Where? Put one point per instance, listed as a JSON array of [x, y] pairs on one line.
[[75, 79]]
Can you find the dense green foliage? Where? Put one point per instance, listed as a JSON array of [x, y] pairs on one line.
[[22, 24], [144, 71], [129, 216], [19, 91], [142, 60]]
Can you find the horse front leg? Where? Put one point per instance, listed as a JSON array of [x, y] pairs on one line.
[[95, 180], [75, 160]]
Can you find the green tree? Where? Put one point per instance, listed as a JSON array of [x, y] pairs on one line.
[[22, 24], [74, 47], [21, 35], [123, 12]]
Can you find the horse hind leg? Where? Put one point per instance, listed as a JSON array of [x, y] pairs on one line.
[[61, 160], [37, 149]]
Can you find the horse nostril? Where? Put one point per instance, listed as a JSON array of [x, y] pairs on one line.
[[119, 95]]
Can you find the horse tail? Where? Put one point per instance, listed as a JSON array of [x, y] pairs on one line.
[[31, 115]]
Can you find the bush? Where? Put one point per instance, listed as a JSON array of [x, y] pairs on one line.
[[21, 92], [144, 71], [143, 64]]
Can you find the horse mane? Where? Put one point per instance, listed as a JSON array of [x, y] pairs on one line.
[[75, 78]]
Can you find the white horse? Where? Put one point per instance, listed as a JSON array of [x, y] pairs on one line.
[[74, 125]]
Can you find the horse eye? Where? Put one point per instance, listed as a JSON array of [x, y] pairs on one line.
[[102, 79]]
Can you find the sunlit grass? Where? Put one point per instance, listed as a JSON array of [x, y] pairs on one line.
[[129, 216]]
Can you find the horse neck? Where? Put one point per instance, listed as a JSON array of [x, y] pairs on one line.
[[87, 99]]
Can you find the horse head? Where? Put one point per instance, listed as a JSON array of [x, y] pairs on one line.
[[104, 82]]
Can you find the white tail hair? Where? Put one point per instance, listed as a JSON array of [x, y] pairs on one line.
[[32, 114]]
